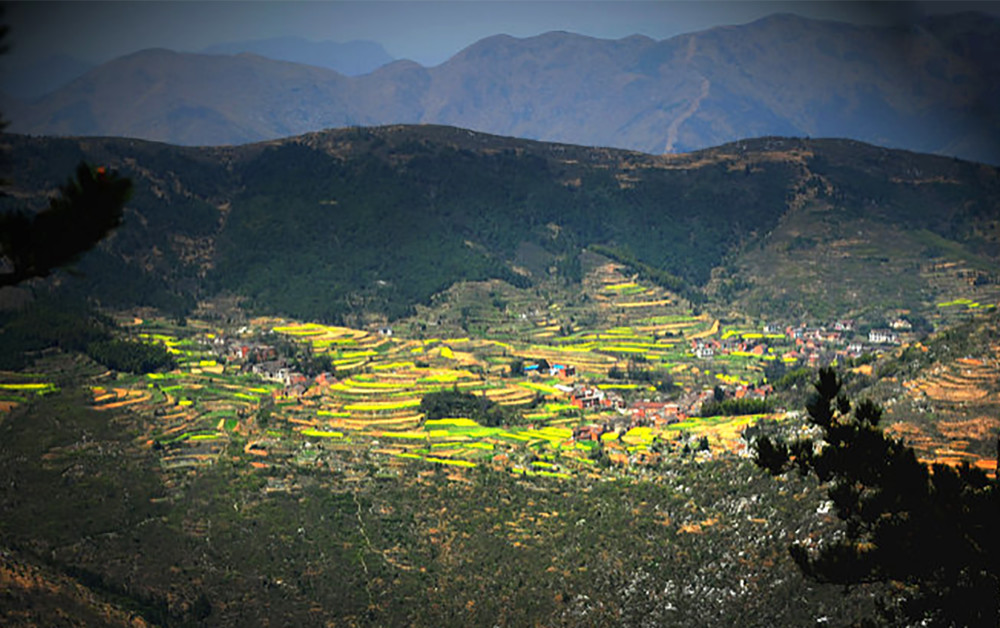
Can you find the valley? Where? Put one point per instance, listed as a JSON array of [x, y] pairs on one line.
[[426, 376], [297, 458], [620, 372]]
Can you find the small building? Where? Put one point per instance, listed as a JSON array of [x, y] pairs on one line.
[[588, 432], [704, 352], [562, 370], [658, 413], [585, 397], [844, 325], [883, 337], [324, 379], [276, 371], [901, 324], [814, 333]]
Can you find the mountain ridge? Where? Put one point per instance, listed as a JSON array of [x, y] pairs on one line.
[[350, 58], [385, 217], [927, 88]]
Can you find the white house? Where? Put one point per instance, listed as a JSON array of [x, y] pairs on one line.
[[883, 337]]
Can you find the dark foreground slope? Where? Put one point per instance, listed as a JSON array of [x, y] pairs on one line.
[[340, 223]]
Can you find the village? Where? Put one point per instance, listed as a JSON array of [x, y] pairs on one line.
[[625, 373], [603, 408]]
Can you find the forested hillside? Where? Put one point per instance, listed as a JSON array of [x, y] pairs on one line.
[[346, 222]]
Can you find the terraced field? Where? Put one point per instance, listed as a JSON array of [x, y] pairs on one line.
[[964, 394], [210, 407], [17, 388], [374, 405]]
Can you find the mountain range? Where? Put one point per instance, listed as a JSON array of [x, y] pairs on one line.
[[30, 81], [341, 224], [930, 86]]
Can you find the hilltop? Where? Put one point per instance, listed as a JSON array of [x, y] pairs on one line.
[[351, 58]]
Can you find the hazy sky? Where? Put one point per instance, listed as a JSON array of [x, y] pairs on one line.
[[427, 32]]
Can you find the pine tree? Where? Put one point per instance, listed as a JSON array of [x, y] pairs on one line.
[[929, 530], [86, 210]]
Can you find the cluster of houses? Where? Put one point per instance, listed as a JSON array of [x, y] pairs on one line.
[[593, 398], [802, 344], [263, 360], [239, 349], [648, 413], [811, 345]]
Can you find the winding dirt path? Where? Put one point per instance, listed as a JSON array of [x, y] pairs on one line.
[[676, 123]]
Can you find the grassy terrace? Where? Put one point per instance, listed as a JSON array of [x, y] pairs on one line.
[[19, 388], [209, 406], [373, 404]]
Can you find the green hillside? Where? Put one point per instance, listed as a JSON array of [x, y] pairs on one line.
[[343, 224], [873, 230]]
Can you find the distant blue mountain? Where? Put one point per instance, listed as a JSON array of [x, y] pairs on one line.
[[352, 58], [930, 86]]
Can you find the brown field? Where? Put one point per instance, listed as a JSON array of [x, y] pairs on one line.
[[950, 442], [118, 397], [981, 428], [954, 389], [964, 395]]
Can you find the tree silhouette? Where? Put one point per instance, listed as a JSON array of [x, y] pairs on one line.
[[930, 531], [88, 207]]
